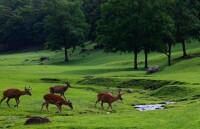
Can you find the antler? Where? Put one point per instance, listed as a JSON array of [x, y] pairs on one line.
[[120, 92], [29, 88]]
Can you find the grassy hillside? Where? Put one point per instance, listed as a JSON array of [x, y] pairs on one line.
[[94, 71]]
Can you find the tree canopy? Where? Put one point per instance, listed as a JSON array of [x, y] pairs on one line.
[[126, 26], [65, 25]]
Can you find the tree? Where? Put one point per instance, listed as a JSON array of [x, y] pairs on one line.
[[187, 22], [64, 22], [165, 26], [131, 25], [118, 27], [5, 14], [91, 9], [22, 23]]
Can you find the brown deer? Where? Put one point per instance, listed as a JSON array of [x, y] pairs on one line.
[[60, 89], [108, 98], [56, 100], [15, 93]]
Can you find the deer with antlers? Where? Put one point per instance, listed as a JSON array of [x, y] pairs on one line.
[[56, 100], [108, 98], [60, 89], [15, 93]]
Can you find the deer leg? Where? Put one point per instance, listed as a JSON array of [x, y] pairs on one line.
[[4, 97], [59, 108], [17, 102], [109, 106], [8, 102], [45, 103], [97, 102], [102, 104]]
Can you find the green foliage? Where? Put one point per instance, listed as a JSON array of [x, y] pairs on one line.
[[186, 20], [65, 25], [22, 24], [91, 9]]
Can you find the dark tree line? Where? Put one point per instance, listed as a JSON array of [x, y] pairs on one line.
[[21, 23], [120, 25], [54, 24], [149, 25]]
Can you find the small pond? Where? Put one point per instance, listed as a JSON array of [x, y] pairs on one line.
[[152, 106]]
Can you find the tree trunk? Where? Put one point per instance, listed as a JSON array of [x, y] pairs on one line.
[[169, 54], [184, 49], [66, 53], [73, 49], [135, 59], [146, 58]]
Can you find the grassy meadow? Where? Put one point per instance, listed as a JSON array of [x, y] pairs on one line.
[[94, 71]]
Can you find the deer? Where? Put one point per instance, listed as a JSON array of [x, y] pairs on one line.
[[108, 98], [56, 100], [60, 89], [14, 93]]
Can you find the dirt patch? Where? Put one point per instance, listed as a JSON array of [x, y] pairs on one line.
[[37, 120], [51, 80]]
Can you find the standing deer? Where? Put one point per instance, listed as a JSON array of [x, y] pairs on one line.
[[108, 98], [15, 93], [60, 89], [56, 100]]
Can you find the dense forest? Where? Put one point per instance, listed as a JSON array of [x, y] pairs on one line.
[[117, 25]]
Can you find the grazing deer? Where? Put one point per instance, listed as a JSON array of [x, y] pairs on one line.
[[60, 89], [108, 98], [15, 93], [56, 100]]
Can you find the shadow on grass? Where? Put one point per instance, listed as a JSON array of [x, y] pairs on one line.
[[97, 71]]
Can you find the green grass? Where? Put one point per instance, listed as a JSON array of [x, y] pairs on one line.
[[94, 71]]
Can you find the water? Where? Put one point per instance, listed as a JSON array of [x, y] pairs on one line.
[[152, 106]]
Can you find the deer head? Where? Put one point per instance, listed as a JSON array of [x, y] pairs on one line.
[[120, 94], [27, 90], [68, 85], [70, 104]]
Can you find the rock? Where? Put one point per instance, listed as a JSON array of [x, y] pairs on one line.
[[130, 91], [12, 118], [88, 77], [43, 58], [99, 46], [83, 50], [153, 69], [37, 120], [107, 112]]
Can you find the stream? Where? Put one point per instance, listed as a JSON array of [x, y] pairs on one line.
[[147, 107]]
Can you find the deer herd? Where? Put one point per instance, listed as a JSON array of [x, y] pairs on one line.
[[57, 100]]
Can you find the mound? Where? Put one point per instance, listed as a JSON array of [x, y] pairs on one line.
[[37, 120], [137, 83], [108, 82], [173, 91]]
